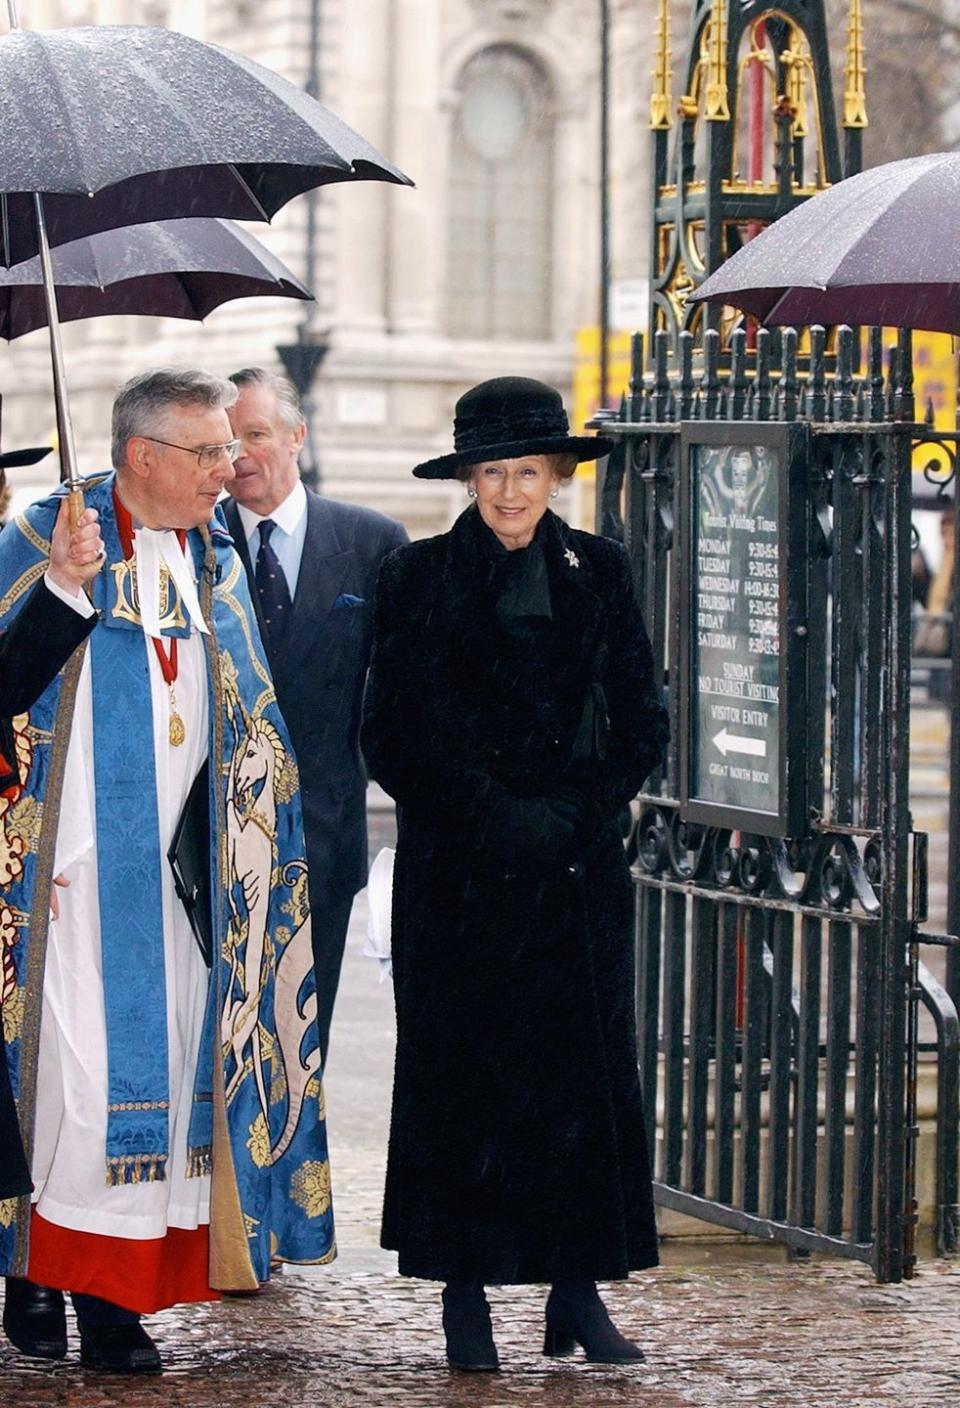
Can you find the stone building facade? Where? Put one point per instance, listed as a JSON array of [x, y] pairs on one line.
[[488, 267]]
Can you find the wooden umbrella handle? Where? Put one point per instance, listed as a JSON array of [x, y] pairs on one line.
[[74, 506]]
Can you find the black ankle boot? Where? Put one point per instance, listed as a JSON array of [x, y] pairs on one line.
[[113, 1339], [34, 1319], [120, 1349], [466, 1324], [575, 1314]]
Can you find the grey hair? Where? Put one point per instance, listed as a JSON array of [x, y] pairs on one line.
[[141, 404], [288, 399]]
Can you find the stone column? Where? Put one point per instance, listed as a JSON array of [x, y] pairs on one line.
[[574, 215], [361, 99], [416, 218]]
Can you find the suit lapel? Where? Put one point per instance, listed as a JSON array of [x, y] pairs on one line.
[[235, 524], [323, 570]]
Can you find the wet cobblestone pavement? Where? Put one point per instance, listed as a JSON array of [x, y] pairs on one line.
[[719, 1334]]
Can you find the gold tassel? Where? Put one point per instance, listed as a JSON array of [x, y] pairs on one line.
[[125, 1169], [199, 1163]]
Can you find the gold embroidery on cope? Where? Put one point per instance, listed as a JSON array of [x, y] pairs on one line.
[[310, 1187], [127, 605]]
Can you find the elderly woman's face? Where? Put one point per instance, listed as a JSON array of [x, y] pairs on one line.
[[512, 496]]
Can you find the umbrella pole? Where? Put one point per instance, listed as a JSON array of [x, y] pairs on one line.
[[68, 452]]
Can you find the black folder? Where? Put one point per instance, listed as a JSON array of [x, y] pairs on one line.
[[189, 857]]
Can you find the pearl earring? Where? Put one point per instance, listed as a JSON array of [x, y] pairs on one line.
[[554, 493], [471, 493]]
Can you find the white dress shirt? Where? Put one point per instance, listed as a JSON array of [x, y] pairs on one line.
[[287, 538], [79, 600]]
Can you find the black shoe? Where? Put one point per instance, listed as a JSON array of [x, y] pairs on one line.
[[120, 1349], [34, 1319], [575, 1315], [466, 1324]]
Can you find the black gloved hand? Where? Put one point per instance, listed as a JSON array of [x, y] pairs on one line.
[[584, 811], [528, 828]]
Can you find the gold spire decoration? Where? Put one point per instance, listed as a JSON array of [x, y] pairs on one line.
[[718, 107], [855, 96], [796, 62], [660, 100]]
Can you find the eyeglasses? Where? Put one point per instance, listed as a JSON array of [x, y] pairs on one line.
[[207, 455]]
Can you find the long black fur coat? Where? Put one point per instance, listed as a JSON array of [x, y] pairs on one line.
[[517, 1147]]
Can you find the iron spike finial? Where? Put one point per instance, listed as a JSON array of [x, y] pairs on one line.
[[855, 94], [715, 39], [661, 100]]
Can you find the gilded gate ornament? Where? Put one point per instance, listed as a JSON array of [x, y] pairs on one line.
[[660, 101], [708, 197]]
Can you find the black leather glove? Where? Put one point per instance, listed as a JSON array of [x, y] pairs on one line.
[[585, 812], [528, 828]]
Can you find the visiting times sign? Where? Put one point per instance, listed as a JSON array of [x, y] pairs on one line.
[[742, 638]]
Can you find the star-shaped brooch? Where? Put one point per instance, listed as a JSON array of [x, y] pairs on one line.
[[571, 557]]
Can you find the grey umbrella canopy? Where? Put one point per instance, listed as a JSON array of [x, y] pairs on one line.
[[170, 268], [880, 248], [118, 125], [155, 125]]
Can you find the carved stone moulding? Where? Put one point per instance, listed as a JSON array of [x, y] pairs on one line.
[[512, 11]]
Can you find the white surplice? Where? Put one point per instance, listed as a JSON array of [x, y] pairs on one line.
[[69, 1168]]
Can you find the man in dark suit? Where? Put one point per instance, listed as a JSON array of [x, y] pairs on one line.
[[312, 565]]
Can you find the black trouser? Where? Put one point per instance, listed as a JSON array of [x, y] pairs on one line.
[[14, 1174], [91, 1310], [96, 1312], [330, 916]]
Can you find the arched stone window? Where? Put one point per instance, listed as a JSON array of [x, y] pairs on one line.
[[500, 229]]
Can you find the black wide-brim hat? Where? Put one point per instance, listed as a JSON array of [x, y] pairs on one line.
[[19, 459], [506, 418]]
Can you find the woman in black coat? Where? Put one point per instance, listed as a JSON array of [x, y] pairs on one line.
[[33, 650], [512, 712]]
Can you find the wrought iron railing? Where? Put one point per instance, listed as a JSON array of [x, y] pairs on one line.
[[779, 982]]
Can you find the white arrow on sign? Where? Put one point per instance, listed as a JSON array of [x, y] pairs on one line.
[[735, 743]]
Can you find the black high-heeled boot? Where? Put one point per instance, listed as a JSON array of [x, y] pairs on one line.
[[34, 1318], [575, 1314], [466, 1324]]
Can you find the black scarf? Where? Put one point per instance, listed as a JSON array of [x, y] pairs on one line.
[[519, 581]]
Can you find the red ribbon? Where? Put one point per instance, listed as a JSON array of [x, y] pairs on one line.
[[169, 664]]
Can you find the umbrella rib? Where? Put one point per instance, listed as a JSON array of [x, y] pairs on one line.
[[763, 268], [235, 172], [881, 213], [198, 312], [63, 95]]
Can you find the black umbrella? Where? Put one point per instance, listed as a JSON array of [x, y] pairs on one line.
[[117, 125], [877, 249], [155, 125], [170, 268]]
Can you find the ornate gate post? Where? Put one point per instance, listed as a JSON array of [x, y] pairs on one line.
[[756, 133]]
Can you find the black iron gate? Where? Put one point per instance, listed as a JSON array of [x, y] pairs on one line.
[[779, 980]]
